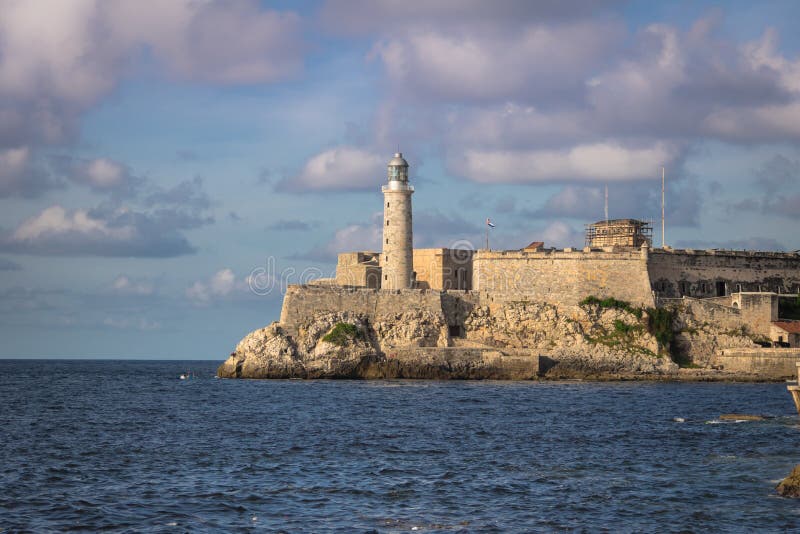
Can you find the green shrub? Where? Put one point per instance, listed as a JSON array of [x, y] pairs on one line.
[[611, 302], [659, 324], [342, 334], [623, 328]]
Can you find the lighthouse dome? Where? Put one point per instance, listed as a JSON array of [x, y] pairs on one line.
[[398, 160]]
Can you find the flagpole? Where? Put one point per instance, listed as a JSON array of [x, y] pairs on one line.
[[487, 237]]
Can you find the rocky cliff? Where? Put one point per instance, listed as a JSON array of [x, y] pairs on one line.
[[505, 340]]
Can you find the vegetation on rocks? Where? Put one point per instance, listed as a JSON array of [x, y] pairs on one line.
[[611, 302], [342, 334], [659, 324]]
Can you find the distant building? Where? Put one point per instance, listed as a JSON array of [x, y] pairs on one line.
[[619, 233]]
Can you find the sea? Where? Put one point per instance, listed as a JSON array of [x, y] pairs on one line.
[[128, 446]]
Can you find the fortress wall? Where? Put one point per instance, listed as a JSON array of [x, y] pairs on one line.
[[563, 277], [302, 302], [443, 269], [768, 363], [723, 317], [674, 273]]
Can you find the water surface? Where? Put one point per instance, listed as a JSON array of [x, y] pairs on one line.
[[90, 445]]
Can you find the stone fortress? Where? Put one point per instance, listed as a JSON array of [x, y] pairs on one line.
[[464, 313], [618, 261]]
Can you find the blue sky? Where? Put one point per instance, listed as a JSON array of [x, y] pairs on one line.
[[157, 159]]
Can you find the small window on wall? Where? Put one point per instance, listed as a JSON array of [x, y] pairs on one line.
[[387, 240], [385, 276], [387, 222], [387, 204]]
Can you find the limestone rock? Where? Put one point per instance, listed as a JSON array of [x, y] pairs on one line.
[[263, 353], [790, 486], [418, 328]]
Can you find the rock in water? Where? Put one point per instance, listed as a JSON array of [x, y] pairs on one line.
[[790, 486], [740, 417]]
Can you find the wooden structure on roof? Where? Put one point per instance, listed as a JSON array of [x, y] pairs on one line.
[[620, 233]]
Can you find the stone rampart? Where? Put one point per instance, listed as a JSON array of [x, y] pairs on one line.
[[563, 276], [767, 363], [302, 302], [714, 273], [705, 311]]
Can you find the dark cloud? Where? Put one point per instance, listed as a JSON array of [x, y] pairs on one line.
[[437, 229], [684, 203], [9, 265], [779, 181], [187, 194], [380, 16], [21, 175], [293, 225], [103, 232], [101, 175]]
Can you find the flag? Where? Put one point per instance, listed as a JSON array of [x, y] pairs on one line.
[[489, 223]]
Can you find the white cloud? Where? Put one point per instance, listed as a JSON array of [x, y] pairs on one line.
[[58, 60], [559, 234], [103, 173], [537, 60], [126, 285], [593, 162], [55, 220], [343, 168], [120, 232], [221, 285]]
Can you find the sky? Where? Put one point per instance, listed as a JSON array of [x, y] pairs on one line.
[[168, 167]]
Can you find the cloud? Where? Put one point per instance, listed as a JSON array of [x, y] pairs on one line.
[[338, 169], [216, 42], [222, 285], [582, 163], [57, 63], [21, 176], [572, 201], [436, 229], [188, 194], [9, 265], [100, 232], [779, 180], [375, 16], [127, 285], [353, 237], [293, 225], [537, 61], [560, 234]]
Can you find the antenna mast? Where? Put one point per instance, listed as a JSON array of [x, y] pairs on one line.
[[662, 207]]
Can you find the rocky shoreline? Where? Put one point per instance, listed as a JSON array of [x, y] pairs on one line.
[[511, 341]]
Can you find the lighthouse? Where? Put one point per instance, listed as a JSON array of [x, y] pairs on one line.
[[397, 263]]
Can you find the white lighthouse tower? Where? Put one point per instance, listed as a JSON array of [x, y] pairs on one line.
[[397, 263]]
